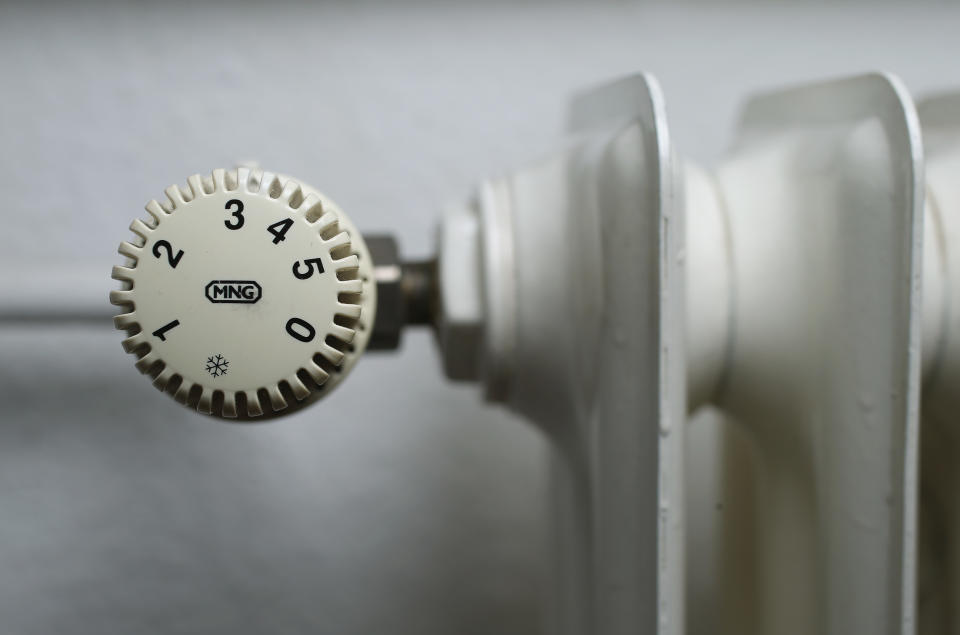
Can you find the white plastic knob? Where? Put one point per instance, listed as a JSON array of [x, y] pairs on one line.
[[247, 294]]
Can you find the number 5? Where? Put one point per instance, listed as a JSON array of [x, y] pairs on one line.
[[310, 270]]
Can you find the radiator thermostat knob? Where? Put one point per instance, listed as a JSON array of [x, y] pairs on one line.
[[246, 294]]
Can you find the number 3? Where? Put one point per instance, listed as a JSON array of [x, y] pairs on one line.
[[237, 213]]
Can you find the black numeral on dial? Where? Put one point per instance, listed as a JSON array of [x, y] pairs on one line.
[[164, 245], [237, 214], [161, 332], [300, 329], [279, 229], [308, 265]]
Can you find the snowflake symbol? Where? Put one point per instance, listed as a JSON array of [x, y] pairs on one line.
[[217, 365]]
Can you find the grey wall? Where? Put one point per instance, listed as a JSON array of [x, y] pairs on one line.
[[418, 510]]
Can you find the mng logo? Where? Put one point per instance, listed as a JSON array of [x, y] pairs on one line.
[[233, 291]]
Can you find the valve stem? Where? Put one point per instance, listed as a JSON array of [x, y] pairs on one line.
[[406, 292]]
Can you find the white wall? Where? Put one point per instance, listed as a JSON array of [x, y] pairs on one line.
[[417, 512]]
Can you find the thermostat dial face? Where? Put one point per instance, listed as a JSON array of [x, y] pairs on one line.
[[246, 294]]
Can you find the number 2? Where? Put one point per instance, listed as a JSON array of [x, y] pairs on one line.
[[173, 260], [237, 213]]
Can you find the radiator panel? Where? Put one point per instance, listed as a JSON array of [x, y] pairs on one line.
[[823, 197]]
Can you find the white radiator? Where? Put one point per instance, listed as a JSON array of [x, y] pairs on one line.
[[786, 289]]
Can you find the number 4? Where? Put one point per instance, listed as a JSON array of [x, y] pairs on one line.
[[279, 229]]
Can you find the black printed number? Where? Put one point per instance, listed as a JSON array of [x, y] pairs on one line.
[[303, 275], [162, 331], [300, 329], [173, 260], [279, 229], [237, 213]]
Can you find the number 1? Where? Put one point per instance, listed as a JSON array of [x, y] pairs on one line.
[[160, 332]]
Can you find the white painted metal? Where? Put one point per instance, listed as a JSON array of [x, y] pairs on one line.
[[939, 574], [802, 326], [823, 197], [710, 293], [638, 409], [582, 287]]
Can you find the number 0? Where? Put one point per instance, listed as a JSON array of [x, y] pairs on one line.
[[308, 332]]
